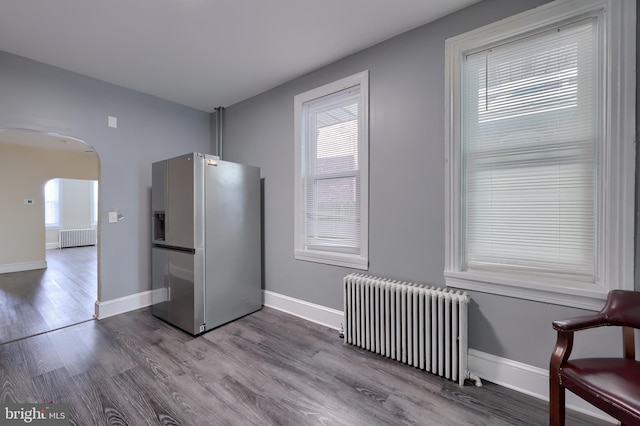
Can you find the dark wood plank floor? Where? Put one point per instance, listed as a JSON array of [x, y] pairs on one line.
[[268, 368], [33, 302]]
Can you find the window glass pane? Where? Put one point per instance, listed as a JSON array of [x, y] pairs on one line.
[[333, 215], [94, 202], [52, 202], [337, 139]]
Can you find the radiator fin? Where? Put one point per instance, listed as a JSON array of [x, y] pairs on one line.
[[422, 326], [77, 237]]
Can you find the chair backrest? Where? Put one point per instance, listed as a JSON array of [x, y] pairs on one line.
[[622, 308]]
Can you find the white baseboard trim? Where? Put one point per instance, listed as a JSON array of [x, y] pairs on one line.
[[24, 266], [51, 246], [319, 314], [121, 305], [530, 380]]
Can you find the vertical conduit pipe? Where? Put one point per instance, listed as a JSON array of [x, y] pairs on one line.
[[217, 135], [219, 121]]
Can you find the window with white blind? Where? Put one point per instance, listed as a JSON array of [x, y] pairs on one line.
[[539, 159], [52, 203], [331, 196], [94, 203]]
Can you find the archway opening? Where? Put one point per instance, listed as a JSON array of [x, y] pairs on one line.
[[44, 287]]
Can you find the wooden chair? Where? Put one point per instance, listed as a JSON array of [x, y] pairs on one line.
[[610, 384]]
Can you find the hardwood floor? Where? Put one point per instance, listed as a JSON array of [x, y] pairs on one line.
[[64, 293], [268, 368]]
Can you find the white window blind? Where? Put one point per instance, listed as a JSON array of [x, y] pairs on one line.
[[332, 172], [529, 154]]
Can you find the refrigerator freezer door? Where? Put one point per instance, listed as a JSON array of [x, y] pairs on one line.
[[233, 242], [177, 297], [181, 195], [159, 186]]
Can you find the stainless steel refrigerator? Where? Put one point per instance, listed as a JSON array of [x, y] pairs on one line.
[[206, 242]]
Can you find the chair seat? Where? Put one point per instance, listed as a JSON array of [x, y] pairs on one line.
[[611, 384]]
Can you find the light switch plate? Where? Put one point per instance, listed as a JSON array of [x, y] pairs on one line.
[[113, 217]]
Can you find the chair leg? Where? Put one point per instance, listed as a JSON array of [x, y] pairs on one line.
[[556, 402]]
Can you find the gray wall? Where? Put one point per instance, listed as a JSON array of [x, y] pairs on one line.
[[44, 98], [406, 183]]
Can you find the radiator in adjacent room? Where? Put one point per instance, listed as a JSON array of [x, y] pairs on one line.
[[412, 323], [77, 237]]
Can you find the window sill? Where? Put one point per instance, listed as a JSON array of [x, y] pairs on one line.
[[586, 296], [337, 259]]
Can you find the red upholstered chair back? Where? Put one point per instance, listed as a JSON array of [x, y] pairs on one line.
[[611, 384], [623, 308]]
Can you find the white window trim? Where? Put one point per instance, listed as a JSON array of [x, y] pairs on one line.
[[617, 233], [356, 261]]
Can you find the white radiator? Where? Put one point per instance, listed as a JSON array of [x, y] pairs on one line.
[[77, 237], [418, 325]]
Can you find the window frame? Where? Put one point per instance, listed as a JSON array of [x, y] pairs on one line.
[[616, 184], [358, 260]]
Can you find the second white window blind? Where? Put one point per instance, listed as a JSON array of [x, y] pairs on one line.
[[529, 144], [332, 172]]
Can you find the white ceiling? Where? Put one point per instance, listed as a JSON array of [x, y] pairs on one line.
[[204, 53]]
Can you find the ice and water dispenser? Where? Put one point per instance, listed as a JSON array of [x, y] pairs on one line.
[[158, 226]]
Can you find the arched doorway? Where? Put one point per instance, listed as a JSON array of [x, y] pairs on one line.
[[40, 293]]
